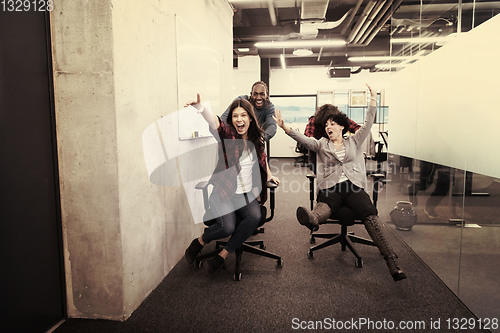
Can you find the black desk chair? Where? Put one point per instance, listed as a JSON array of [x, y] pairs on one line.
[[345, 217], [378, 175], [302, 160], [251, 246]]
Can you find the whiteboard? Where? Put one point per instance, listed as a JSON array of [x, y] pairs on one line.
[[197, 72]]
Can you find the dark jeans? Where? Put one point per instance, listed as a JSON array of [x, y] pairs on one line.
[[350, 195], [239, 224]]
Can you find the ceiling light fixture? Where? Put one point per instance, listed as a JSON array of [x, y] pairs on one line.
[[243, 49], [386, 66], [380, 58], [417, 40], [302, 52], [301, 43]]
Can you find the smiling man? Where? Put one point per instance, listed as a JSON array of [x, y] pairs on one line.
[[264, 109]]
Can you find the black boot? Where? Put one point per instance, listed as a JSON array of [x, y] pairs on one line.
[[213, 264], [193, 250], [319, 214], [372, 225]]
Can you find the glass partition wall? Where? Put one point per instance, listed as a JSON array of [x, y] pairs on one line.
[[456, 230]]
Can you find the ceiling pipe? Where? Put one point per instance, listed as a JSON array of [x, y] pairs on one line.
[[364, 16], [382, 23], [356, 71], [380, 14], [272, 12], [353, 14], [369, 21], [320, 52]]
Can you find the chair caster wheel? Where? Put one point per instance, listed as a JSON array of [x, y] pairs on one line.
[[262, 247], [358, 263], [312, 240], [237, 277], [310, 255], [280, 263]]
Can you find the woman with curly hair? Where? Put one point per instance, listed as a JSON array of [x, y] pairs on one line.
[[341, 177]]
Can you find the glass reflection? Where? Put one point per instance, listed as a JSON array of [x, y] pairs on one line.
[[457, 231], [420, 28]]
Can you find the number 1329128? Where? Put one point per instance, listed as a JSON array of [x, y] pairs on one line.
[[26, 5]]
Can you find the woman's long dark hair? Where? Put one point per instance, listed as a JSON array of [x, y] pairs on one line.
[[255, 132]]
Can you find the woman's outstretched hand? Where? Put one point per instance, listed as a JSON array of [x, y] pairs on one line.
[[280, 122], [196, 104], [206, 111], [274, 180], [278, 118], [373, 93]]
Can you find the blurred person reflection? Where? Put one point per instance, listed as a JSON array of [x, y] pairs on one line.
[[428, 171]]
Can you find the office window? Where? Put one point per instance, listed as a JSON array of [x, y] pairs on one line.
[[357, 114], [295, 108]]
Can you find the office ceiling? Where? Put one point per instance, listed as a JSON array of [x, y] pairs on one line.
[[366, 26]]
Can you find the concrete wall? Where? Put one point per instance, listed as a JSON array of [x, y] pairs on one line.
[[115, 71]]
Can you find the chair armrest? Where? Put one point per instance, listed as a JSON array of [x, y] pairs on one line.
[[204, 187], [201, 185], [271, 185], [377, 176], [272, 188], [311, 175]]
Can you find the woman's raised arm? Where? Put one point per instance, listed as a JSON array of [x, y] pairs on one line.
[[206, 112]]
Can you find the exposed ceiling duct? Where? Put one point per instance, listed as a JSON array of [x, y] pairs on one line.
[[373, 18], [366, 26], [313, 18]]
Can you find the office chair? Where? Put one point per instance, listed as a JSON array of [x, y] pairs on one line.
[[302, 160], [378, 175], [345, 217], [251, 246]]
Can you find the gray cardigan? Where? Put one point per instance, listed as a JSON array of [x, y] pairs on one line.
[[329, 167]]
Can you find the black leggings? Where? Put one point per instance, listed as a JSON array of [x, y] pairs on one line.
[[350, 195]]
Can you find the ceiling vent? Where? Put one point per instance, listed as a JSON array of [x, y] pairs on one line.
[[314, 9], [311, 13]]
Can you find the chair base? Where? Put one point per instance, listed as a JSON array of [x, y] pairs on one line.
[[346, 240], [256, 247]]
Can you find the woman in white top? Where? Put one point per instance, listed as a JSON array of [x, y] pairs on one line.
[[239, 180]]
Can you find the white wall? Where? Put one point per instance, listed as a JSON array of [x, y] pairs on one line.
[[444, 108], [292, 81], [245, 75]]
